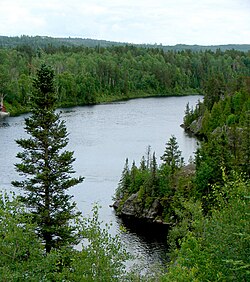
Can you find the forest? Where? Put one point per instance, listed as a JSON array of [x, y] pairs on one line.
[[205, 202], [89, 75]]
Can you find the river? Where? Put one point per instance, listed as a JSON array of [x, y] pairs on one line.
[[102, 137]]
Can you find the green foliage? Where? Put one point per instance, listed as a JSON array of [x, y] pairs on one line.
[[166, 183], [212, 158], [214, 90], [85, 75], [172, 155], [226, 112], [216, 116], [245, 145], [20, 248], [188, 213], [231, 119], [210, 241], [209, 213], [216, 248], [189, 116], [47, 168], [101, 257], [227, 141], [209, 236], [124, 182]]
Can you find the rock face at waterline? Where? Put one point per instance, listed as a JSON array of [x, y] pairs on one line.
[[194, 127], [132, 208]]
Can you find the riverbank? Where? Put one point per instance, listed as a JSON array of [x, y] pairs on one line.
[[17, 109]]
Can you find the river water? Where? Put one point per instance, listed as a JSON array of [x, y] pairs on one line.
[[102, 137]]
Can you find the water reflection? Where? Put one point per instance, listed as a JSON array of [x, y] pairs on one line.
[[154, 236]]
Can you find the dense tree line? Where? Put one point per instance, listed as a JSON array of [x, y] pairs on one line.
[[85, 75], [222, 120], [208, 209]]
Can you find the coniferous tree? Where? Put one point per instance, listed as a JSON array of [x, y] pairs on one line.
[[143, 166], [47, 167], [172, 155], [153, 167], [148, 157], [188, 118], [125, 181], [154, 176]]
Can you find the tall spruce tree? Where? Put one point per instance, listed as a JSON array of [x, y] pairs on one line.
[[125, 181], [47, 167], [172, 155]]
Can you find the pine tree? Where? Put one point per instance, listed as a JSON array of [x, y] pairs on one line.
[[154, 176], [124, 183], [188, 117], [143, 166], [172, 155], [148, 157], [47, 167]]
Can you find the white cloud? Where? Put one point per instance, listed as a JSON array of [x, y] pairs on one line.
[[143, 21]]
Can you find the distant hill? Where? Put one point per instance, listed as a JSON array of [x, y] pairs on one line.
[[44, 41]]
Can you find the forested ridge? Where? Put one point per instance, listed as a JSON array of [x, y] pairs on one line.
[[89, 75], [43, 41]]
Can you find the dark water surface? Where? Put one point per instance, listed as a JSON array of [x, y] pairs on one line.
[[102, 137]]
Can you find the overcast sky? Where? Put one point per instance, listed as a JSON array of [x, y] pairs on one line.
[[170, 22]]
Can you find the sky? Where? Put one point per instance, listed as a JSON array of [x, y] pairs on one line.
[[167, 22]]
